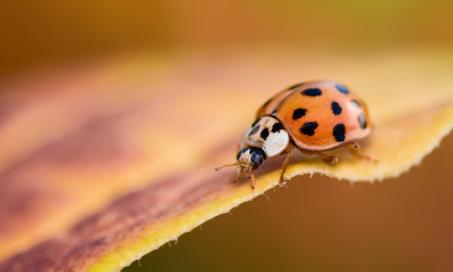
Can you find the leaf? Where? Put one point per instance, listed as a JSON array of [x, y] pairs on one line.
[[102, 166]]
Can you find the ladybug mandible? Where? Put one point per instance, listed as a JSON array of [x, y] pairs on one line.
[[313, 116]]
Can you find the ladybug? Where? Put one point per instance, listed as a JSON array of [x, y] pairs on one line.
[[312, 116]]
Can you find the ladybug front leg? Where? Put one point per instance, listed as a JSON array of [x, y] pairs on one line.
[[289, 151], [355, 150], [252, 179]]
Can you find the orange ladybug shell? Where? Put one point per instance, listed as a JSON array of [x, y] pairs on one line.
[[319, 115]]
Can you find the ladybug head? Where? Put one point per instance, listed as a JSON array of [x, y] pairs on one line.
[[250, 157], [265, 138]]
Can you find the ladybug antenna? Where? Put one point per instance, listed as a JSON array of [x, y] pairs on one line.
[[225, 165]]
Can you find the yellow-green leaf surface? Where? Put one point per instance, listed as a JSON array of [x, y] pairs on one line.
[[100, 166]]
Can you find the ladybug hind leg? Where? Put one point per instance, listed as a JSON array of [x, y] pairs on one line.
[[355, 150], [329, 159]]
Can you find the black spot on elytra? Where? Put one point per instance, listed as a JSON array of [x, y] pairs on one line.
[[342, 89], [277, 127], [254, 130], [309, 128], [312, 92], [264, 133], [297, 85], [355, 103], [336, 108], [362, 121], [339, 132], [298, 113]]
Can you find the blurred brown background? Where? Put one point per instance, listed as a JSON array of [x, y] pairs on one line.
[[37, 34]]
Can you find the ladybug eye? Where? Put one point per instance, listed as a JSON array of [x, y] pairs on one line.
[[257, 160], [258, 157]]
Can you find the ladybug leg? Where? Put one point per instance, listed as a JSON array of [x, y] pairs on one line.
[[355, 150], [330, 159], [252, 179], [283, 180]]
